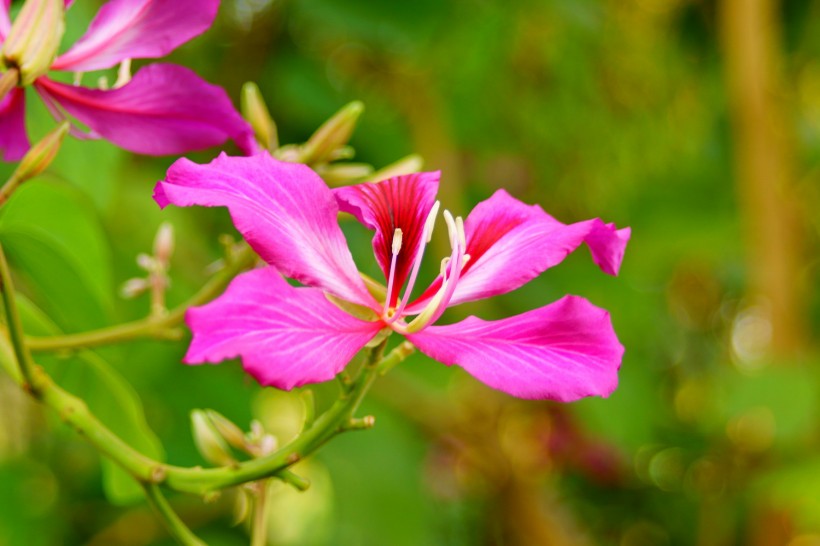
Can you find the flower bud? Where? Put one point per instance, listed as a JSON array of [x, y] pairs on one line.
[[407, 165], [164, 244], [133, 288], [337, 174], [40, 156], [333, 134], [257, 114], [34, 38], [229, 431], [208, 441]]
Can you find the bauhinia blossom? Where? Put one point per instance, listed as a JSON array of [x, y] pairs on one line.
[[289, 336], [163, 109]]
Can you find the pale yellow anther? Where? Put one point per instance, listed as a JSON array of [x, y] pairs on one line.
[[462, 237], [123, 73], [451, 227], [397, 241], [444, 263], [431, 221]]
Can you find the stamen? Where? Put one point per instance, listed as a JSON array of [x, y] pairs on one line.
[[452, 231], [430, 223], [444, 263], [450, 272], [123, 73], [396, 248], [426, 235]]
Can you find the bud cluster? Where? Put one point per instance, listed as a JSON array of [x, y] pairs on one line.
[[218, 439], [157, 281]]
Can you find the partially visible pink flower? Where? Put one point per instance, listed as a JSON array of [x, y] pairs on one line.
[[163, 109], [288, 336]]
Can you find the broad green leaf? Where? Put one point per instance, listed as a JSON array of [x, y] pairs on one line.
[[58, 248]]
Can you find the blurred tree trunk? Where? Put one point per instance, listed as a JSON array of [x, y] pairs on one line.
[[764, 156]]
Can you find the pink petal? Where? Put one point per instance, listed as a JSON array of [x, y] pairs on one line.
[[13, 140], [5, 23], [286, 336], [510, 243], [401, 202], [284, 210], [564, 351], [164, 110], [137, 29]]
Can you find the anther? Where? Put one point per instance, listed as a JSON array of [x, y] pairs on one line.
[[431, 221], [451, 228], [444, 263], [462, 237], [397, 236]]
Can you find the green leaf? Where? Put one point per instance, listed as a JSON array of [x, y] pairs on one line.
[[58, 248]]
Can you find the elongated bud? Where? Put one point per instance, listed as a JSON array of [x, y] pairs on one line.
[[333, 134], [336, 174], [208, 441], [40, 156], [34, 38], [133, 288], [407, 165], [257, 114]]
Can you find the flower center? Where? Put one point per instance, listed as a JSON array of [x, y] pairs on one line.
[[450, 272]]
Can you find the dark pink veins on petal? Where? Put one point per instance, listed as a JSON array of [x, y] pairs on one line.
[[404, 203]]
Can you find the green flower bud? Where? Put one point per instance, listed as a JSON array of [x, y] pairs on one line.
[[332, 135], [256, 113], [40, 156], [34, 38], [208, 440]]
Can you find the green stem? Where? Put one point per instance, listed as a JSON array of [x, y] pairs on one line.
[[175, 526], [21, 352], [200, 480], [259, 525], [152, 326]]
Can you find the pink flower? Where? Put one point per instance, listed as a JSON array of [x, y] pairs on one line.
[[163, 109], [289, 336]]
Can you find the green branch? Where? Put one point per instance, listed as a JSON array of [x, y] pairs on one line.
[[174, 525], [339, 418], [152, 326], [15, 328]]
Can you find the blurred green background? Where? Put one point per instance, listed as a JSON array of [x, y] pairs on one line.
[[695, 122]]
